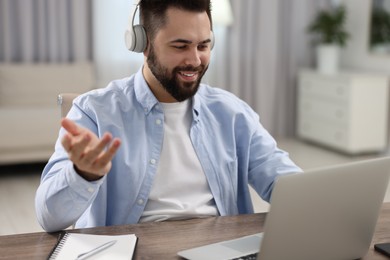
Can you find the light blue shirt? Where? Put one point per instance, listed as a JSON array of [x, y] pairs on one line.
[[232, 146]]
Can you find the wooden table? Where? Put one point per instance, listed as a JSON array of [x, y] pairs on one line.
[[164, 239]]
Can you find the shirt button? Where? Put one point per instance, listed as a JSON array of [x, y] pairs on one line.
[[153, 161], [90, 189], [158, 122], [140, 201]]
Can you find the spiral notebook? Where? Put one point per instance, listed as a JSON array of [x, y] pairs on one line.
[[71, 245]]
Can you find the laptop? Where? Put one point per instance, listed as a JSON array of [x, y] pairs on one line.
[[326, 213]]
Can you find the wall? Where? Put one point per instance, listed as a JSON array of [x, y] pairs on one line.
[[356, 55], [113, 60]]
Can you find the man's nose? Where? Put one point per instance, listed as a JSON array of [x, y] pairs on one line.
[[193, 57]]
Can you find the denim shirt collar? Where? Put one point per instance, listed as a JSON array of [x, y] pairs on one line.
[[143, 93]]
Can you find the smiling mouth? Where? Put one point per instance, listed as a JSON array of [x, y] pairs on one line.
[[188, 76]]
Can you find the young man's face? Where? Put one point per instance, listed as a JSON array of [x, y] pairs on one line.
[[179, 55]]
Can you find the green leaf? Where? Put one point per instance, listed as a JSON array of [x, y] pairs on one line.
[[328, 26]]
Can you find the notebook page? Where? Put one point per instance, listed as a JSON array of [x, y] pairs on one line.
[[75, 244]]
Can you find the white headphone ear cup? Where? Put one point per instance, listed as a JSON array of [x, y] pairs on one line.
[[140, 38], [129, 39]]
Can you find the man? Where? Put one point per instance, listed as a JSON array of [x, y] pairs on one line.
[[159, 145]]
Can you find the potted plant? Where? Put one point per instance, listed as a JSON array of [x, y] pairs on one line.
[[380, 30], [328, 27]]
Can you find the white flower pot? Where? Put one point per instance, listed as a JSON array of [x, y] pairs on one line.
[[381, 48], [328, 56]]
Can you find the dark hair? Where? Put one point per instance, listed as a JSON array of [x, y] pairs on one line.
[[153, 12]]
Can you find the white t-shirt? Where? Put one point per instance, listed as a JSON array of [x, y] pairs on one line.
[[180, 189]]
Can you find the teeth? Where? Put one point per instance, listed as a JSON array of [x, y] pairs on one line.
[[188, 74]]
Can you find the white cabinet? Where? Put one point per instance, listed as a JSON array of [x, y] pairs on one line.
[[346, 111]]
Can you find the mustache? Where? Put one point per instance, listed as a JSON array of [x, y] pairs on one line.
[[190, 68]]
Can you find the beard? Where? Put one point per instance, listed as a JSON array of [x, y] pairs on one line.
[[169, 80]]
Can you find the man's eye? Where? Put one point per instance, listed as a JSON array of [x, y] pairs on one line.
[[203, 47], [180, 47]]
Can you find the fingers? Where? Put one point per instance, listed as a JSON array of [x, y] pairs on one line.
[[79, 147], [93, 153], [75, 145], [88, 153], [66, 142], [105, 157], [97, 160], [70, 126], [111, 151]]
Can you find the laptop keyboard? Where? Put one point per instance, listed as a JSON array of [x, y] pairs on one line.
[[247, 257]]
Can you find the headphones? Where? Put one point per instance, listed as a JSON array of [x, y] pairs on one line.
[[135, 35]]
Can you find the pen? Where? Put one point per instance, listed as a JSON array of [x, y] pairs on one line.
[[95, 250]]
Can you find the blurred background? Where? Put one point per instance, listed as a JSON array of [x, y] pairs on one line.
[[316, 71]]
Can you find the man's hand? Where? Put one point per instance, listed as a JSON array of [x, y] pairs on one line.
[[90, 155]]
